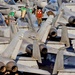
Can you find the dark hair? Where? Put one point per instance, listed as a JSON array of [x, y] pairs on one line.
[[34, 10], [39, 7]]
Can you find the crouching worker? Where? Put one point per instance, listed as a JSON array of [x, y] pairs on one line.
[[39, 15], [10, 18], [23, 12]]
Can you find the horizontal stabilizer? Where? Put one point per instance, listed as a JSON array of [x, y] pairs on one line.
[[57, 65], [36, 51], [72, 36], [16, 50], [54, 51], [57, 18], [26, 58], [32, 70], [5, 60]]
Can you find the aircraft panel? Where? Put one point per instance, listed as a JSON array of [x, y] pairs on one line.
[[29, 63], [66, 73]]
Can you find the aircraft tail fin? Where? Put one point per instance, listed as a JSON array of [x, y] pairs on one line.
[[59, 63], [30, 21], [44, 30], [13, 30], [17, 47], [59, 2], [36, 51], [64, 36], [13, 46]]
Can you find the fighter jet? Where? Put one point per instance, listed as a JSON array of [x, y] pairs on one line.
[[65, 16], [42, 33], [65, 11], [14, 47], [28, 38], [15, 44], [6, 33], [32, 34]]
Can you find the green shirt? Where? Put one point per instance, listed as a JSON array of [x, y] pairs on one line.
[[30, 10], [12, 14], [23, 8], [27, 9]]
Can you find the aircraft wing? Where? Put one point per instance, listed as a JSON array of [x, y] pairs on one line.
[[44, 30], [54, 51], [30, 21]]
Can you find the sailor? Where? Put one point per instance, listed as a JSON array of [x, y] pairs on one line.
[[2, 68], [39, 15], [7, 21], [10, 18], [23, 12]]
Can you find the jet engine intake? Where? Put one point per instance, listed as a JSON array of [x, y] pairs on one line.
[[42, 48], [53, 32], [71, 19]]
